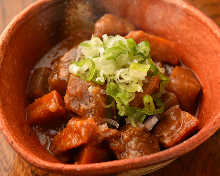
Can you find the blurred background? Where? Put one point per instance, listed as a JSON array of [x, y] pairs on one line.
[[9, 8]]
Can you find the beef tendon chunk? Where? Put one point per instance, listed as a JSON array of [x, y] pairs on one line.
[[186, 87], [169, 99], [150, 86], [93, 154], [104, 26], [133, 142], [38, 85], [161, 49], [175, 126], [76, 133], [85, 98], [60, 75], [105, 133], [46, 108]]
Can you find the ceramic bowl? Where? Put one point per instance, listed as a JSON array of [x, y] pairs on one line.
[[34, 31]]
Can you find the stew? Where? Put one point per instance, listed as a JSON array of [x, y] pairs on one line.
[[121, 94]]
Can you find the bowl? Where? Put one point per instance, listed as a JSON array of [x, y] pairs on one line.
[[34, 31]]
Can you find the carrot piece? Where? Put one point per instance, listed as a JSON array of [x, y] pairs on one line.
[[161, 49], [76, 133], [46, 108]]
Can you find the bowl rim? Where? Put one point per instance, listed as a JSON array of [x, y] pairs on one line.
[[117, 165]]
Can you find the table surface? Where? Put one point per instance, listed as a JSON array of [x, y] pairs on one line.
[[204, 161]]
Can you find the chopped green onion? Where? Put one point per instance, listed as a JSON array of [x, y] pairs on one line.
[[85, 68], [138, 71], [143, 48], [122, 65], [149, 106]]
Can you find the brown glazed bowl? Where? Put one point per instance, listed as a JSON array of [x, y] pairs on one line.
[[34, 31]]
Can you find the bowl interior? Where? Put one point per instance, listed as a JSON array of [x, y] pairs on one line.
[[40, 27]]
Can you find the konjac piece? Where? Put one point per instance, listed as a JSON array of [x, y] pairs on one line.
[[46, 108], [85, 98], [38, 85], [161, 49], [150, 86], [91, 153], [133, 142], [112, 25], [186, 87], [77, 132], [175, 126], [60, 75]]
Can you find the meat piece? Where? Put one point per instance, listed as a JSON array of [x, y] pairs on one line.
[[186, 87], [46, 108], [38, 85], [169, 99], [93, 154], [133, 142], [60, 75], [112, 25], [150, 86], [161, 49], [175, 126], [105, 133], [85, 98], [76, 133]]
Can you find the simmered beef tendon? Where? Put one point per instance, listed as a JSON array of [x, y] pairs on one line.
[[38, 85], [175, 126], [161, 49], [150, 86], [77, 132], [105, 133], [133, 142], [112, 25], [186, 87], [169, 99], [60, 75], [46, 108], [93, 154], [85, 98]]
